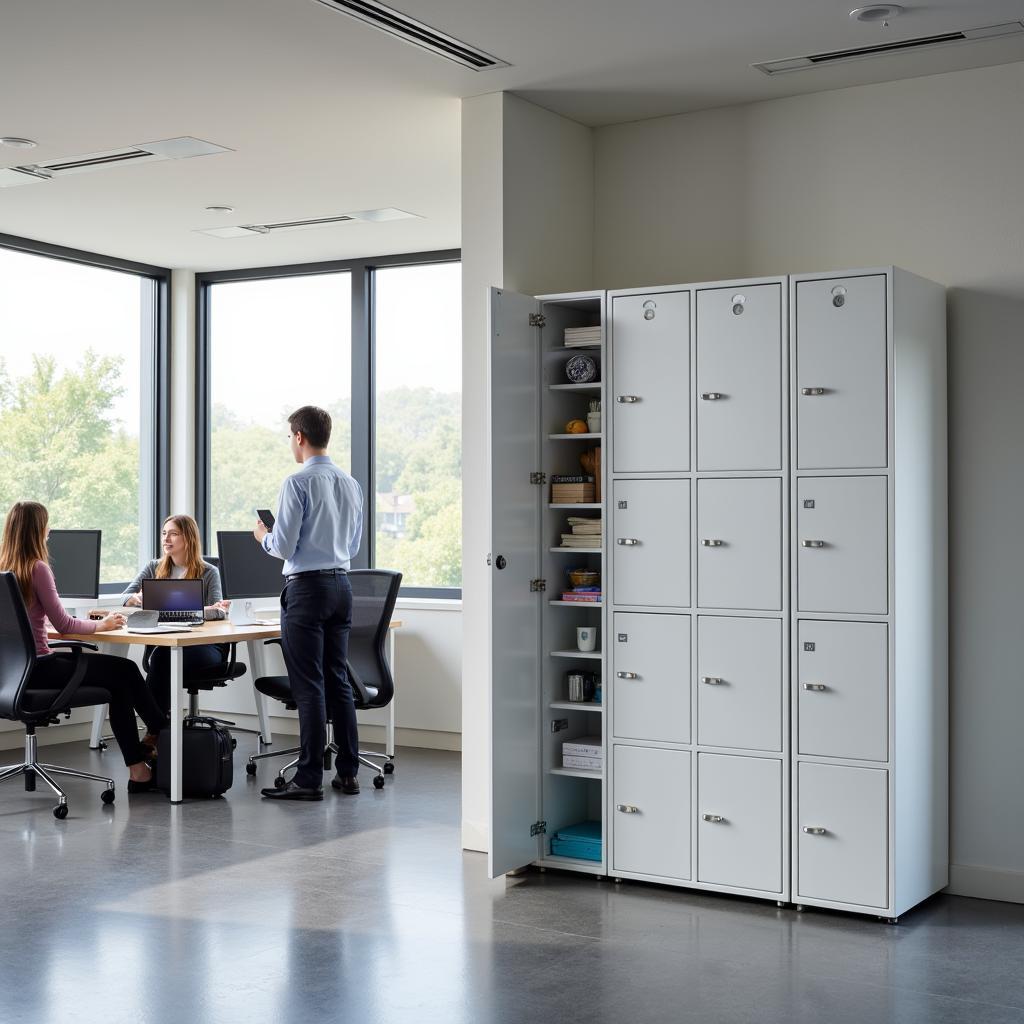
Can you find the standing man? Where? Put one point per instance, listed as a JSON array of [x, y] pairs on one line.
[[318, 528]]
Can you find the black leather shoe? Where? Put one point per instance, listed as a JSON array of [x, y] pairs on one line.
[[142, 787], [346, 783], [294, 792]]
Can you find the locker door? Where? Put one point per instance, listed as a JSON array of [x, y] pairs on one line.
[[842, 834], [651, 820], [841, 373], [739, 682], [843, 551], [514, 447], [739, 821], [650, 352], [651, 551], [739, 544], [739, 378], [842, 689], [651, 677]]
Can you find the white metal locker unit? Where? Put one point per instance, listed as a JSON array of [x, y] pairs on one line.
[[870, 590], [533, 632], [697, 709]]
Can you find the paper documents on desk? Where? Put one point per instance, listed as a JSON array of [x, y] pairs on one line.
[[241, 614]]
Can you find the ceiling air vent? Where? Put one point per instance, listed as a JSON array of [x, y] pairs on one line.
[[248, 230], [416, 32], [814, 60]]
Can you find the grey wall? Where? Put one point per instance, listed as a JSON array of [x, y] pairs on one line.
[[925, 174]]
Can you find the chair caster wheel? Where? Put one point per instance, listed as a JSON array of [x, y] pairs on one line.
[[103, 745], [250, 768], [279, 782], [60, 812], [378, 782], [234, 743], [107, 796], [389, 769]]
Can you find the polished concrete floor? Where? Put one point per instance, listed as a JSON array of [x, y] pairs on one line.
[[364, 909]]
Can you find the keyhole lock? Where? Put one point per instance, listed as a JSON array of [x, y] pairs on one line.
[[738, 304], [499, 562], [839, 296], [649, 307]]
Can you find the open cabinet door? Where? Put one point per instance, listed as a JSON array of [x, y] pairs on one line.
[[514, 449]]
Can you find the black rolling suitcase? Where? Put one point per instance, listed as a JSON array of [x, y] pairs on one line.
[[207, 765]]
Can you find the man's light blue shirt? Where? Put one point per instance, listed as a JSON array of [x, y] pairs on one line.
[[319, 518]]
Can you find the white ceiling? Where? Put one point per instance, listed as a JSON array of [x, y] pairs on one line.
[[325, 115]]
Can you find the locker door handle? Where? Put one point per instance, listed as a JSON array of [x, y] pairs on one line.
[[627, 542], [627, 399], [716, 818], [812, 543], [815, 687], [711, 680], [814, 830], [627, 675], [712, 396], [627, 808], [811, 392], [709, 543]]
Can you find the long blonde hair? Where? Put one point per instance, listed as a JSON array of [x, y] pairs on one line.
[[24, 544], [189, 530]]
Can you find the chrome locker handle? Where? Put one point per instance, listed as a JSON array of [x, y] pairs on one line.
[[814, 830], [712, 396], [815, 687], [627, 808], [628, 542], [812, 392], [812, 543], [711, 543], [711, 680], [627, 399], [716, 818], [627, 675]]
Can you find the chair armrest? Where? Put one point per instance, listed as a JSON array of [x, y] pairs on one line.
[[276, 640], [73, 644], [357, 685], [77, 675]]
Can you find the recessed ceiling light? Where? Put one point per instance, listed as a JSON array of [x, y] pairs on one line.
[[13, 142], [876, 12], [220, 209]]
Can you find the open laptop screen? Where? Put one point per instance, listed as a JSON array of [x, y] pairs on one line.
[[172, 595]]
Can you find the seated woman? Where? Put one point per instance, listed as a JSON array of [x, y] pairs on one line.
[[182, 560], [23, 552]]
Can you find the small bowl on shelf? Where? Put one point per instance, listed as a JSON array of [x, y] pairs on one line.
[[584, 577]]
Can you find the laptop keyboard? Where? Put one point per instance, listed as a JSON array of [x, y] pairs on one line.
[[188, 617]]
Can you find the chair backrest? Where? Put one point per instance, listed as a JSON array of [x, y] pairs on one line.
[[17, 646], [374, 592], [214, 560]]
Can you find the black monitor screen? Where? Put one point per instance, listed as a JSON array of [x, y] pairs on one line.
[[75, 560], [246, 570]]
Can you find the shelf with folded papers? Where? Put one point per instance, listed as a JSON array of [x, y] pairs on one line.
[[578, 705], [593, 655], [576, 773], [592, 387], [577, 604], [578, 551], [562, 349]]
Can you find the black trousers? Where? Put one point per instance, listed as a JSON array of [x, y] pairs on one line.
[[316, 616], [193, 658], [121, 678]]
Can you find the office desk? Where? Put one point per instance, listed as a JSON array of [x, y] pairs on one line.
[[217, 632]]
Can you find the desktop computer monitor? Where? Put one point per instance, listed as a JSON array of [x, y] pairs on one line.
[[75, 560], [246, 570]]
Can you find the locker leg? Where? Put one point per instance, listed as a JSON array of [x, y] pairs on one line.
[[780, 903], [799, 908]]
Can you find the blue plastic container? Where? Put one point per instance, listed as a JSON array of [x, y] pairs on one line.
[[581, 842]]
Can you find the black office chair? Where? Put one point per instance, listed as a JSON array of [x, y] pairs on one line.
[[34, 708], [374, 592]]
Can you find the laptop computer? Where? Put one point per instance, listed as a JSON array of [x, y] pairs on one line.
[[177, 602]]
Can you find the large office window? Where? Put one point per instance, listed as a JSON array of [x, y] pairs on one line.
[[82, 349], [377, 343], [418, 452], [278, 343]]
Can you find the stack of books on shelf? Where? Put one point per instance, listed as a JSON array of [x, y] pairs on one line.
[[571, 490], [583, 595], [584, 533], [578, 337], [585, 752]]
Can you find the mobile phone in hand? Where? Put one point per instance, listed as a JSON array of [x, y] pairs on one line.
[[266, 517]]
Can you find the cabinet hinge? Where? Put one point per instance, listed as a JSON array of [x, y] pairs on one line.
[[538, 320], [539, 828], [538, 585], [538, 478]]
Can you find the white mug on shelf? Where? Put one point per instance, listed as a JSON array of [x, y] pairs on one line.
[[586, 638]]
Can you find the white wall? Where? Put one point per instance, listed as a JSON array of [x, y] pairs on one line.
[[925, 174], [527, 225]]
